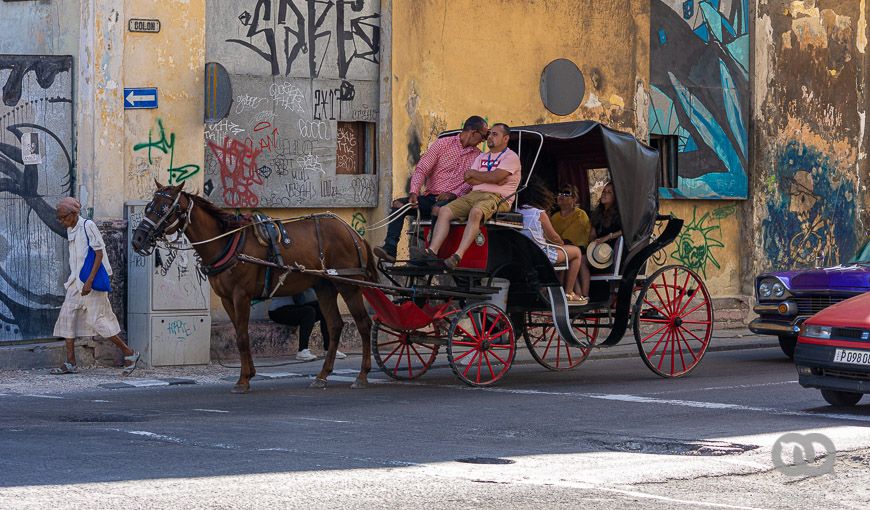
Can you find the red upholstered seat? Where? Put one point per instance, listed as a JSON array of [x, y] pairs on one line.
[[406, 316]]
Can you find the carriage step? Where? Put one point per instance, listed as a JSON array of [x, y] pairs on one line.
[[403, 269]]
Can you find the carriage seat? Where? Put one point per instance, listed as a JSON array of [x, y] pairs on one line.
[[508, 219]]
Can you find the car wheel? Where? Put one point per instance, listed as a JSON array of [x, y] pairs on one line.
[[787, 344], [841, 398]]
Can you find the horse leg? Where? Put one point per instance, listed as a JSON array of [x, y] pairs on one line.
[[354, 299], [239, 312], [327, 296]]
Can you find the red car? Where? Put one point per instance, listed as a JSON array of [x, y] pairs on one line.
[[833, 351]]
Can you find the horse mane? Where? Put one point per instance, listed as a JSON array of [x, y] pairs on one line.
[[226, 220]]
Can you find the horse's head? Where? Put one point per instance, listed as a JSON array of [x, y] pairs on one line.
[[163, 216]]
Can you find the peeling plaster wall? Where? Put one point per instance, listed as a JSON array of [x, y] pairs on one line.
[[809, 174], [454, 58], [37, 102]]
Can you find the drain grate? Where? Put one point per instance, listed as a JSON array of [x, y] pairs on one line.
[[485, 460]]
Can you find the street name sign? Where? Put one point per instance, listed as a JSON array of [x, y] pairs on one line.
[[144, 25], [137, 98]]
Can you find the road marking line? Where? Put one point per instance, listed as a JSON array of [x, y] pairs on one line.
[[712, 388], [42, 396], [639, 399], [321, 419], [211, 410]]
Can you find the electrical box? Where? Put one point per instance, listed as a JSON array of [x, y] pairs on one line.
[[168, 298]]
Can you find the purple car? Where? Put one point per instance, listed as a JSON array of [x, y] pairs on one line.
[[785, 299]]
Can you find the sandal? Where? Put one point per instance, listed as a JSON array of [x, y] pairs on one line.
[[66, 368], [128, 369], [452, 261], [574, 299]]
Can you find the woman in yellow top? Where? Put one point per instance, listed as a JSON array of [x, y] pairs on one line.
[[573, 226]]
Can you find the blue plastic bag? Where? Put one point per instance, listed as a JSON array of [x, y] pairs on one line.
[[101, 280]]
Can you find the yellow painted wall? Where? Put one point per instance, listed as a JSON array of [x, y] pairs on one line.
[[455, 58], [709, 243], [172, 60]]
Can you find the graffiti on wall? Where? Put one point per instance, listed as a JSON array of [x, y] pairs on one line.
[[305, 82], [310, 33], [699, 92], [35, 106], [811, 216], [700, 239], [160, 143]]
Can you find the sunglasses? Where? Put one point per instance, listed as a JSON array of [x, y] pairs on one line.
[[566, 195]]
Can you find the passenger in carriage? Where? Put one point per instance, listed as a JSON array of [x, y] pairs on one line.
[[573, 226], [535, 201], [494, 177], [606, 223], [438, 178]]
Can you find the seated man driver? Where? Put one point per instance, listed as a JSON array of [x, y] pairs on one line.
[[494, 176]]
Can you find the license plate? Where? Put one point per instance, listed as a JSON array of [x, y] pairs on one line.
[[851, 357]]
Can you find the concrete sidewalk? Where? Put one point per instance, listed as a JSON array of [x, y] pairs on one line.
[[224, 372]]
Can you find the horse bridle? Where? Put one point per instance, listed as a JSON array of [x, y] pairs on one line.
[[155, 231]]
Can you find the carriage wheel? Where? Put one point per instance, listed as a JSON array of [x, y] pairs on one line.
[[481, 344], [548, 348], [398, 357], [673, 321]]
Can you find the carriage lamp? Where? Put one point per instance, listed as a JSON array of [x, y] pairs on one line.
[[816, 331]]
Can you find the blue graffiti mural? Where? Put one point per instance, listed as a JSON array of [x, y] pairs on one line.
[[810, 212], [699, 91]]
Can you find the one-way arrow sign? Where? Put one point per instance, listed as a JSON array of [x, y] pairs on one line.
[[140, 98]]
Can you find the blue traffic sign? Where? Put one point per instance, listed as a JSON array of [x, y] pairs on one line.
[[140, 98]]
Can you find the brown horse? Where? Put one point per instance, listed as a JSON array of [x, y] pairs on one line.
[[316, 243]]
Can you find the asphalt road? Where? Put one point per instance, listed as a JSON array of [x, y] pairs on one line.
[[609, 434]]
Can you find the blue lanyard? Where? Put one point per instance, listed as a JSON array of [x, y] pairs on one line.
[[489, 161]]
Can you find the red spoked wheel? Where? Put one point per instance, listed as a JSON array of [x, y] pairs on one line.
[[481, 344], [401, 354], [548, 348], [673, 321]]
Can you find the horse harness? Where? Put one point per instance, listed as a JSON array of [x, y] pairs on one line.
[[271, 234]]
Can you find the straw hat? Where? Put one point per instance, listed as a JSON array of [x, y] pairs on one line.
[[600, 255]]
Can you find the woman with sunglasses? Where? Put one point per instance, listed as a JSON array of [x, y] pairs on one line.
[[572, 224]]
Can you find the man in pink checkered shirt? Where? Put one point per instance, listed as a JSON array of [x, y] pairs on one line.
[[439, 176]]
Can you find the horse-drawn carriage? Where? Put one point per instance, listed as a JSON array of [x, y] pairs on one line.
[[421, 308], [670, 309]]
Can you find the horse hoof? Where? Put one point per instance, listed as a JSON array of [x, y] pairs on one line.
[[359, 385], [318, 384], [241, 388]]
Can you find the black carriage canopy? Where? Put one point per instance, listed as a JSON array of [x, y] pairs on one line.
[[570, 149]]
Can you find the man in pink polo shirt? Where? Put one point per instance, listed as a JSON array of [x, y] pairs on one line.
[[442, 171], [494, 176]]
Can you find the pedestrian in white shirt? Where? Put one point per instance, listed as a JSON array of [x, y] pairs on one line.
[[85, 310]]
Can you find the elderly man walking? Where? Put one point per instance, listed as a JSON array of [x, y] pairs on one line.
[[85, 310], [441, 170]]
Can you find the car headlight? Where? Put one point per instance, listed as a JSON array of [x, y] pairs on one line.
[[778, 289], [764, 289], [816, 331]]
